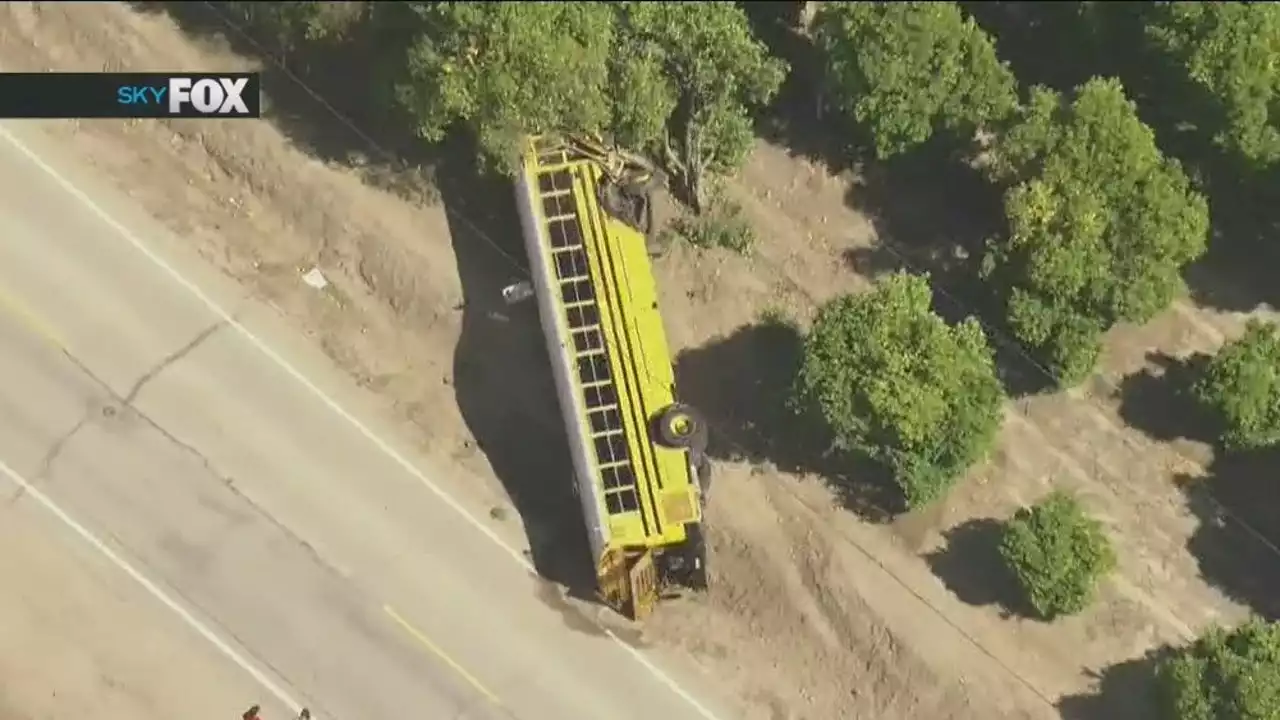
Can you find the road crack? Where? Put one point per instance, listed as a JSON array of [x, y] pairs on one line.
[[127, 401], [168, 361], [46, 463]]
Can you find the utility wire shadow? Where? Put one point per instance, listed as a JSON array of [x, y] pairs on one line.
[[327, 95], [971, 567], [1239, 533], [323, 98], [1126, 691]]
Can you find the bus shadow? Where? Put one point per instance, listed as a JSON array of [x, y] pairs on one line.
[[502, 377]]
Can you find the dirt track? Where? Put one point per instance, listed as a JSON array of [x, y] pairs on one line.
[[815, 612]]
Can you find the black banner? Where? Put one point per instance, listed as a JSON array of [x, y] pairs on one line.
[[130, 95]]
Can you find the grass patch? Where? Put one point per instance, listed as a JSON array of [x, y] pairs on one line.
[[721, 226]]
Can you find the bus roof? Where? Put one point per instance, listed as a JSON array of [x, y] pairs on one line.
[[616, 373]]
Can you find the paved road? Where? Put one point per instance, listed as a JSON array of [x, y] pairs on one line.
[[239, 502], [80, 639]]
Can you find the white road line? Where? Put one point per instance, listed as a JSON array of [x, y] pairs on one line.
[[332, 404], [193, 622]]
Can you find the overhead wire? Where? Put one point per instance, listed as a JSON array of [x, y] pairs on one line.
[[727, 437]]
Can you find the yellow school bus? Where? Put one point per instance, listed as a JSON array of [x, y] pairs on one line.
[[639, 455]]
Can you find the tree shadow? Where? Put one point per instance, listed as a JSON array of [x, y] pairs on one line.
[[742, 382], [1237, 272], [1158, 400], [931, 210], [501, 374], [797, 118], [1033, 37], [971, 567], [1234, 274], [304, 86], [1126, 691], [1236, 543], [934, 212]]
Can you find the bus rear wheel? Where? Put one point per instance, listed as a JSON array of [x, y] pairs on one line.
[[681, 426]]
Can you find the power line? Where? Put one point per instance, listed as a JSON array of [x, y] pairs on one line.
[[992, 331], [727, 437], [995, 333]]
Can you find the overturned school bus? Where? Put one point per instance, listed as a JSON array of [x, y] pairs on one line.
[[639, 456]]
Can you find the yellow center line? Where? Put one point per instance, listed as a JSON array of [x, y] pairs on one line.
[[18, 310], [425, 641]]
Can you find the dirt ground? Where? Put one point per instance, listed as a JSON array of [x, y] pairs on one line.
[[816, 612]]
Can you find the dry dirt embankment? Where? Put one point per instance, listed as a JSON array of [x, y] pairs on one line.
[[815, 614]]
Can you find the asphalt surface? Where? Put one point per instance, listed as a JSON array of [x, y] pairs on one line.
[[211, 463]]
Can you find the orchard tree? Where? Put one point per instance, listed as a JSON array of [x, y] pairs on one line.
[[675, 80], [1058, 554], [905, 70], [1231, 53], [1100, 224], [507, 69], [892, 381], [686, 79], [1241, 386], [289, 24], [1231, 674]]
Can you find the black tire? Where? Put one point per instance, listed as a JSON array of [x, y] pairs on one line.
[[633, 210], [614, 200], [681, 426]]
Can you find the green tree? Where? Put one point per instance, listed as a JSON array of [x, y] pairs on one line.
[[678, 81], [1100, 224], [1224, 675], [1241, 387], [904, 70], [507, 69], [687, 77], [892, 381], [1231, 53], [289, 24], [1058, 554]]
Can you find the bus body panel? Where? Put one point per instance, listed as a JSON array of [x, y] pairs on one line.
[[598, 305]]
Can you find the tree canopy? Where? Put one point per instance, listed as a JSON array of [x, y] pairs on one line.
[[1241, 386], [506, 69], [290, 23], [1058, 554], [677, 80], [1100, 223], [1229, 51], [905, 70], [687, 77], [1225, 674], [892, 381]]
